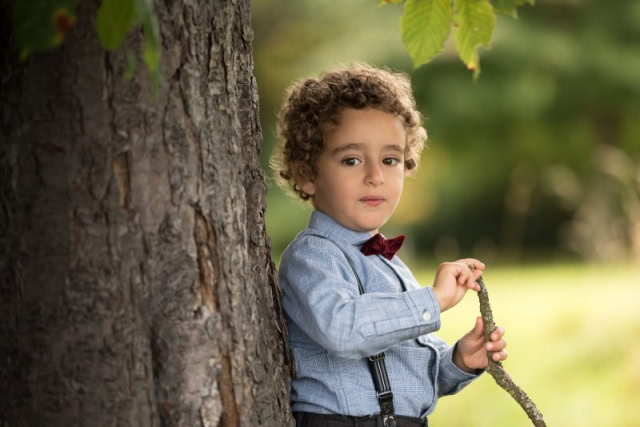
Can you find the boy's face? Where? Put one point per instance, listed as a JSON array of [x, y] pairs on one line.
[[361, 169]]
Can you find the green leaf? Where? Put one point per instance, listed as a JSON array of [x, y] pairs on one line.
[[42, 24], [475, 20], [151, 53], [426, 25], [151, 50], [132, 65], [115, 19]]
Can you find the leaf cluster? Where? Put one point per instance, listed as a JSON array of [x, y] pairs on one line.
[[117, 17], [40, 25], [427, 24]]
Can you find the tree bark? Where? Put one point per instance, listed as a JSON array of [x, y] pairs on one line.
[[136, 282]]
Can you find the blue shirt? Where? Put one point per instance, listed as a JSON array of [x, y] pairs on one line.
[[332, 328]]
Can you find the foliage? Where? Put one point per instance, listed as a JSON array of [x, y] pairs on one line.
[[426, 25], [115, 19], [41, 25], [475, 21]]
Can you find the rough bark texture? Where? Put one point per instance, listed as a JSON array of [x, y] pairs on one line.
[[136, 283], [496, 370]]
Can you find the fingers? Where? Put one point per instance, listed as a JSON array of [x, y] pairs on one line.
[[479, 327], [474, 277], [475, 268], [468, 280], [497, 345], [500, 356], [497, 333], [453, 279], [468, 274], [472, 263]]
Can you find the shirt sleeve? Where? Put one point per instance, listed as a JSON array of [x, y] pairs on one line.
[[451, 379], [320, 295]]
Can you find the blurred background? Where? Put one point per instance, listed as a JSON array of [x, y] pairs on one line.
[[534, 169]]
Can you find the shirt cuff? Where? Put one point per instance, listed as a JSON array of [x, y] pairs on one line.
[[453, 376], [423, 303]]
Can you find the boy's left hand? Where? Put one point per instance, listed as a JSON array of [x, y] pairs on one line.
[[471, 351]]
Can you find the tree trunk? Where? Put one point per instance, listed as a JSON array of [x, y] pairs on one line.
[[136, 283]]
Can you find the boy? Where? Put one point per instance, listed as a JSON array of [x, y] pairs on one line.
[[347, 140]]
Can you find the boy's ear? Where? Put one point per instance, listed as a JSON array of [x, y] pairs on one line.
[[308, 187], [302, 175]]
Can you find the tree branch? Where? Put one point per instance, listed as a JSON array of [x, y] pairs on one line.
[[497, 371]]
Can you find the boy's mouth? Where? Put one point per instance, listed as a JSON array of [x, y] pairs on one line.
[[372, 200]]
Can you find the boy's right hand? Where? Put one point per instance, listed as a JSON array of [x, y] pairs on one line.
[[453, 279]]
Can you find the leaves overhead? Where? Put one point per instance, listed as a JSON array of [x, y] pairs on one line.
[[43, 24], [426, 25], [115, 19], [474, 20], [151, 50]]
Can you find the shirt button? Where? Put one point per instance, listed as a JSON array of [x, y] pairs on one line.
[[426, 316]]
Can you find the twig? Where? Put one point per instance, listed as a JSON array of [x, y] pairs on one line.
[[496, 370]]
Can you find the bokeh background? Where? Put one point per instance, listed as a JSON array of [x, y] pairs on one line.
[[534, 169]]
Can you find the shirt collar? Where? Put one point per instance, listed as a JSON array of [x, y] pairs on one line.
[[323, 222]]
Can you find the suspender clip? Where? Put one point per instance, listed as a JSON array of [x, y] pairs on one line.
[[385, 399], [385, 395], [389, 421]]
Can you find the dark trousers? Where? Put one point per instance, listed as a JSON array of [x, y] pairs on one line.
[[308, 419]]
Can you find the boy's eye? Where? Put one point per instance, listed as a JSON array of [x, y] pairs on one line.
[[351, 161], [391, 161]]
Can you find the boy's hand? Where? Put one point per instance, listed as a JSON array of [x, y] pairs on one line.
[[453, 279], [471, 351]]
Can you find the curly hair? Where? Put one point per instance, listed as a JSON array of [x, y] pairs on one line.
[[312, 103]]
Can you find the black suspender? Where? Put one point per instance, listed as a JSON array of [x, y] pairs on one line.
[[379, 373]]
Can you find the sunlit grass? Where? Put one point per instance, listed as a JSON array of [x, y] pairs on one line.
[[573, 335]]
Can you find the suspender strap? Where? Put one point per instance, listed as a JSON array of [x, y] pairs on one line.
[[379, 373], [381, 380]]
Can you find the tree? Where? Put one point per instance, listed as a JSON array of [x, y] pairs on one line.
[[136, 283]]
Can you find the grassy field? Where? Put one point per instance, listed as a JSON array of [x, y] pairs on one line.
[[573, 335]]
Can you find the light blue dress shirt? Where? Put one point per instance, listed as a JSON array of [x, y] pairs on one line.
[[332, 328]]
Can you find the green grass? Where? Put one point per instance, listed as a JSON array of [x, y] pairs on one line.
[[573, 334]]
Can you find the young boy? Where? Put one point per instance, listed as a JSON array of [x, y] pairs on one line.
[[348, 138]]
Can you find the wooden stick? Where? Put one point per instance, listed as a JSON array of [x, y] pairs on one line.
[[496, 370]]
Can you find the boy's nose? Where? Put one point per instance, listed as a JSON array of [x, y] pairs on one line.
[[374, 175]]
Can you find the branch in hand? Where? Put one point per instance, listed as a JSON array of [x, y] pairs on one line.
[[496, 370]]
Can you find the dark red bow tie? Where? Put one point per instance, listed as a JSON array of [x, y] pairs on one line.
[[378, 245]]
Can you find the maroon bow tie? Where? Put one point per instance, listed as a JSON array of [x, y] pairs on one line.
[[378, 245]]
